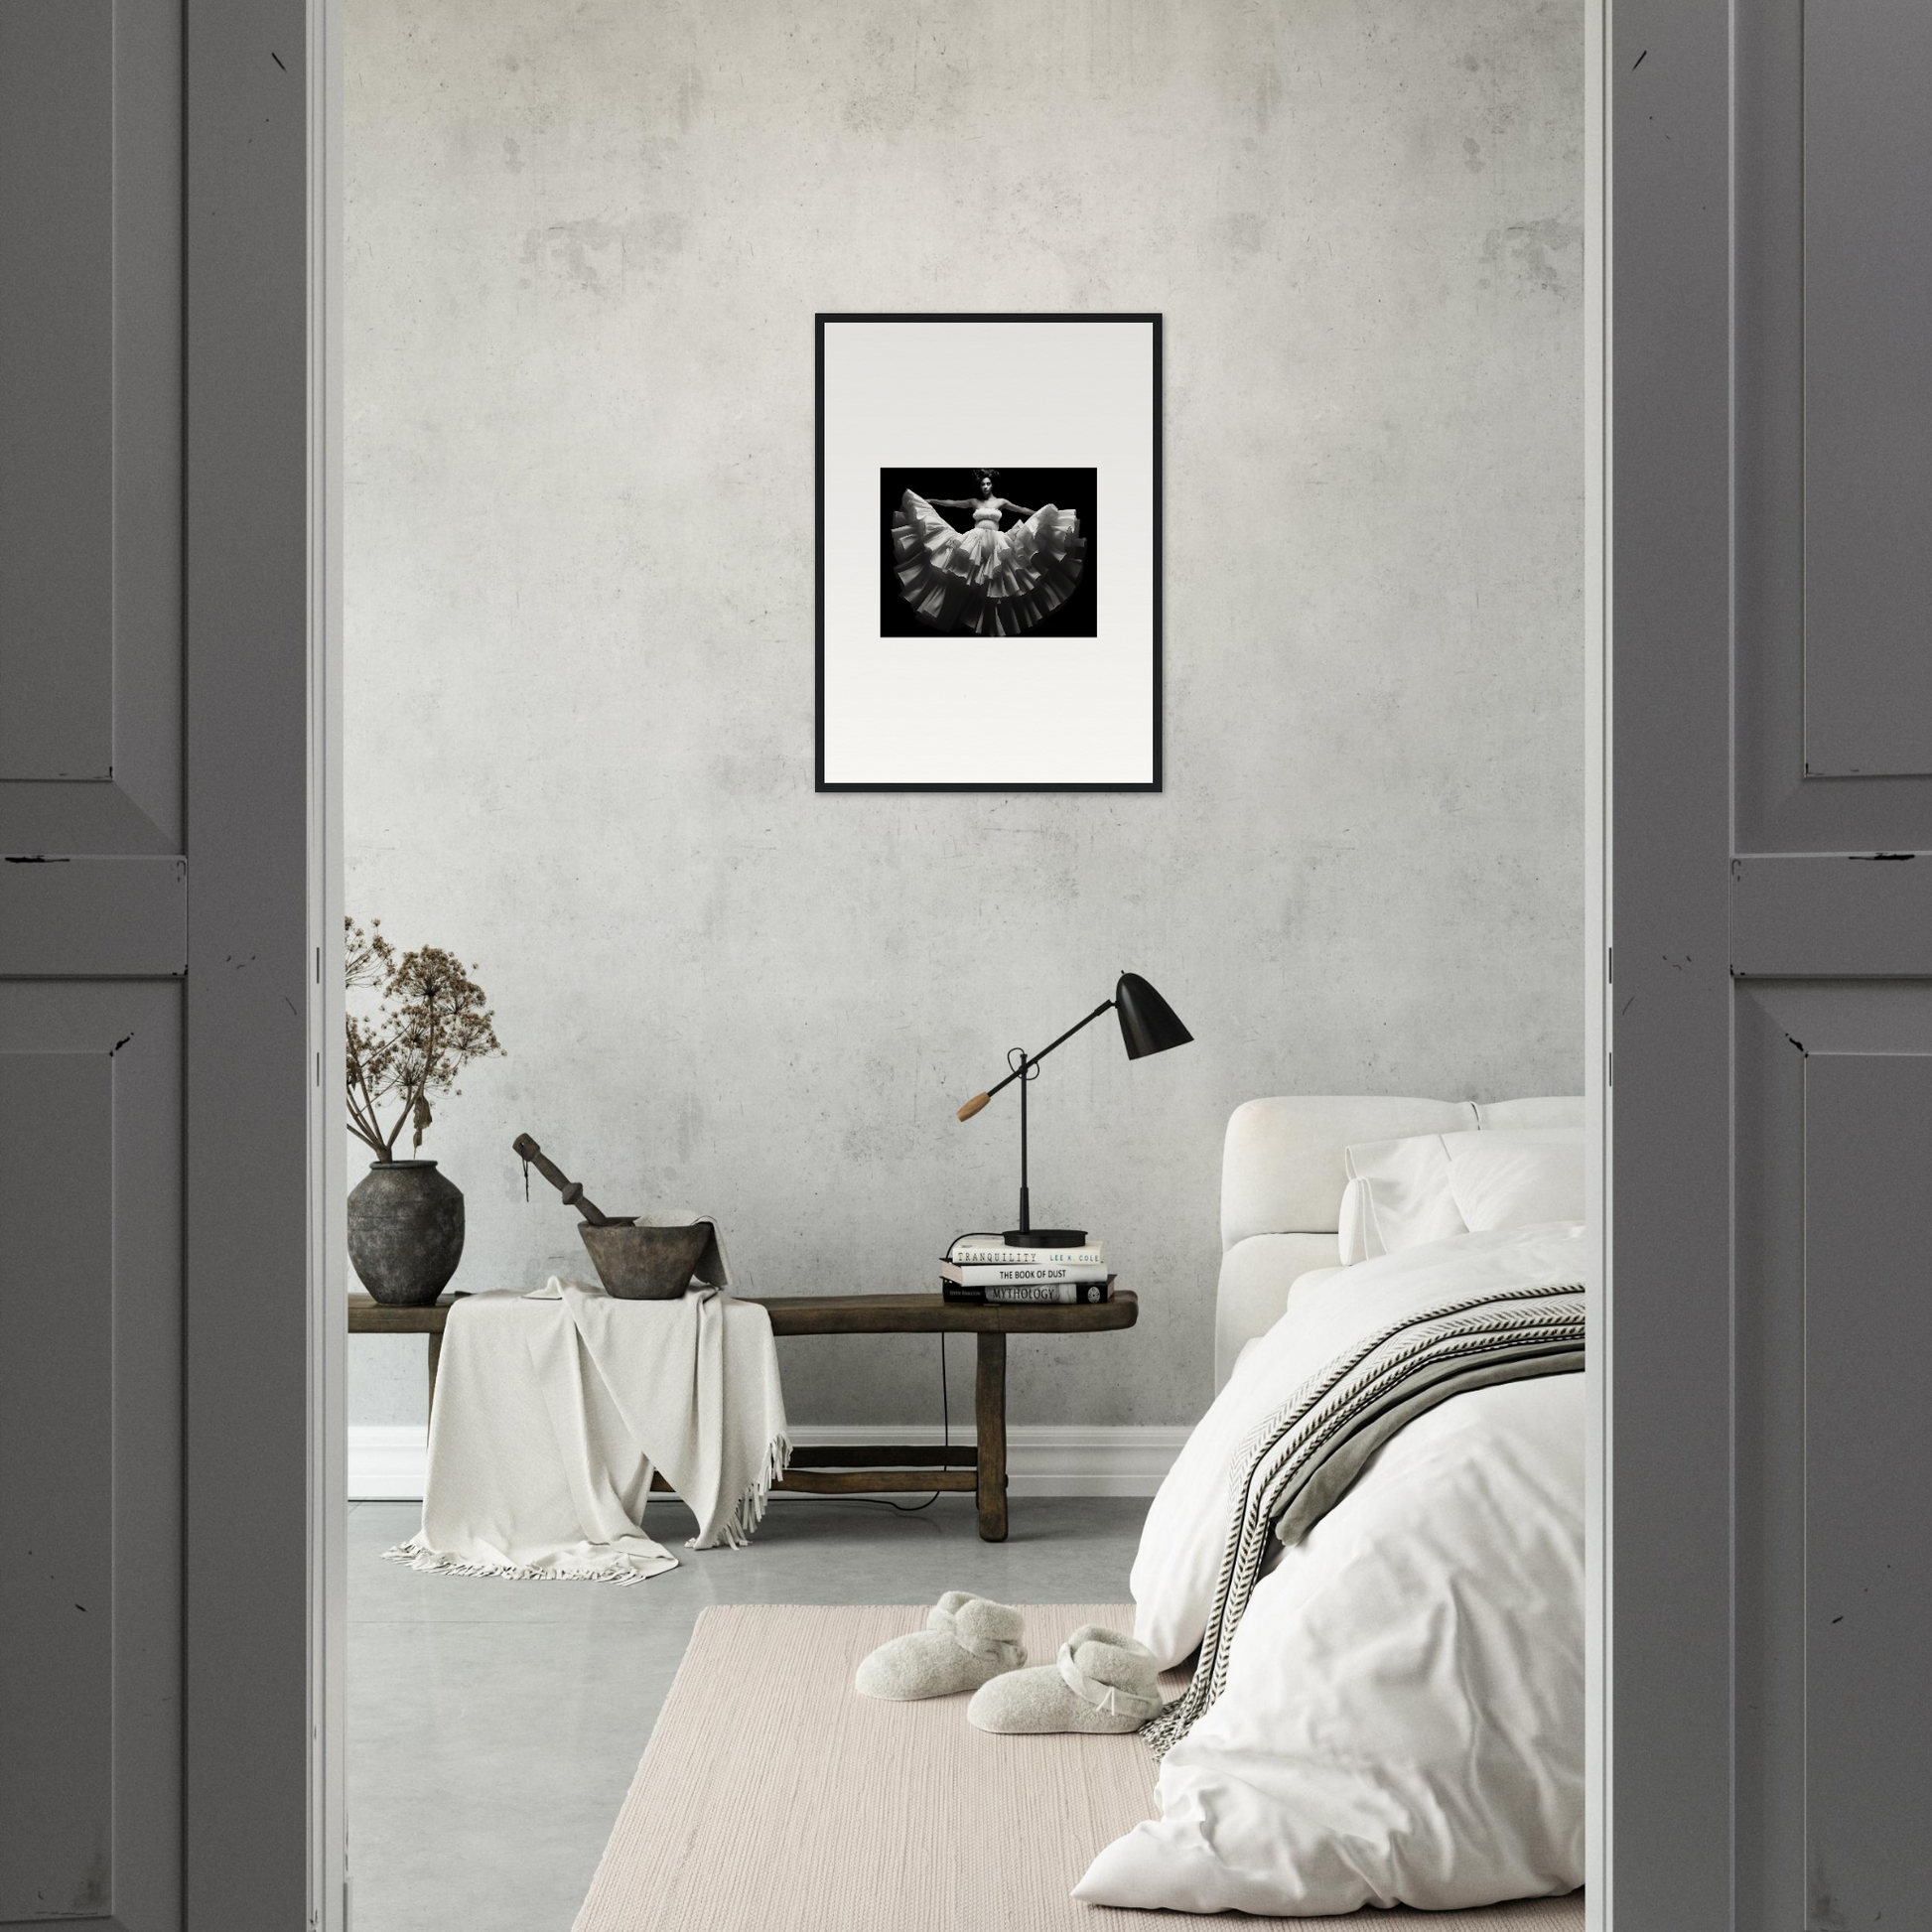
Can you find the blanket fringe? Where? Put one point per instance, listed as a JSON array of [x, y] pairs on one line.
[[416, 1555], [734, 1534], [739, 1527]]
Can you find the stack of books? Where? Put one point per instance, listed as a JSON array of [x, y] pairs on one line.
[[983, 1268]]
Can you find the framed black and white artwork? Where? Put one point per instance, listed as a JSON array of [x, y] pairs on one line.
[[989, 553]]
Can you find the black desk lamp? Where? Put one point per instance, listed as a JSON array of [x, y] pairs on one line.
[[1148, 1024]]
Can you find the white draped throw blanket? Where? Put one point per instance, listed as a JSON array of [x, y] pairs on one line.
[[554, 1407]]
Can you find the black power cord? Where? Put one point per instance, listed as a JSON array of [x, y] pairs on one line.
[[945, 1437]]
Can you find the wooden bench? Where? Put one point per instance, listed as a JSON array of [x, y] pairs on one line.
[[835, 1470]]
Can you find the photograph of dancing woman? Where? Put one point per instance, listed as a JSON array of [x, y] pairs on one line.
[[986, 562]]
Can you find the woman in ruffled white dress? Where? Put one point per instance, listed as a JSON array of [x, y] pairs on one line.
[[993, 581]]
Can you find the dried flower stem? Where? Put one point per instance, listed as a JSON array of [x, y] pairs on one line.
[[431, 1021]]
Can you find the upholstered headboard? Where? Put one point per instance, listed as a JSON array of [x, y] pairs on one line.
[[1282, 1180]]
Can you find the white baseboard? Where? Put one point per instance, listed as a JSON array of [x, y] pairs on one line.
[[386, 1461]]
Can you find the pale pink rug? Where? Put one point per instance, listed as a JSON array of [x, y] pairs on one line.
[[775, 1799]]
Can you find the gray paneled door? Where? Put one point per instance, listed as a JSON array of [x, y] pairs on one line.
[[93, 943], [157, 968], [1770, 1463]]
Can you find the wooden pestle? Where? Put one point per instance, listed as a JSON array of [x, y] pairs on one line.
[[571, 1191]]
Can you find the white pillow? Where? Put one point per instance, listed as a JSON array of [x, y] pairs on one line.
[[1403, 1196], [1518, 1177], [1429, 1186], [1353, 1227]]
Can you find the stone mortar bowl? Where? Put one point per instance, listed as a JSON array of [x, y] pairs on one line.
[[645, 1264]]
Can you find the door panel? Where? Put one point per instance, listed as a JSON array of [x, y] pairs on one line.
[[1868, 1514], [111, 918], [1830, 958], [91, 427], [94, 950], [1834, 1551], [1867, 388], [1842, 917], [57, 1506], [57, 344], [1806, 628], [1771, 1014], [90, 1312]]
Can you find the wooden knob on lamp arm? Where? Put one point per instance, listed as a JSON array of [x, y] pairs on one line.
[[973, 1106]]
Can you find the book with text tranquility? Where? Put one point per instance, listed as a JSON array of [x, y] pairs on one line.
[[983, 1268]]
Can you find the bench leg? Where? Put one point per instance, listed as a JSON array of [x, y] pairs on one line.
[[435, 1355], [991, 1416]]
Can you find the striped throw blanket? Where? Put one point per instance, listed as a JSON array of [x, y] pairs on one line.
[[1299, 1461]]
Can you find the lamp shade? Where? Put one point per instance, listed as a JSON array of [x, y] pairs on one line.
[[1148, 1024]]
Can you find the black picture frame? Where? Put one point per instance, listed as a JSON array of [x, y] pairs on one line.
[[1155, 783]]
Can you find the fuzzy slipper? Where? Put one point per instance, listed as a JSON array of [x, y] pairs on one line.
[[966, 1641], [1103, 1681]]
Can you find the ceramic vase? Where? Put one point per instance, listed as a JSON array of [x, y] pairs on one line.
[[405, 1231]]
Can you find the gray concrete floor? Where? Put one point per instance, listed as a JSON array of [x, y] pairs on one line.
[[493, 1726]]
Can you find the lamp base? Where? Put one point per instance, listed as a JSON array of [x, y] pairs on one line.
[[1045, 1237]]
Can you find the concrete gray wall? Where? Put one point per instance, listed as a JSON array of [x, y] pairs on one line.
[[584, 250]]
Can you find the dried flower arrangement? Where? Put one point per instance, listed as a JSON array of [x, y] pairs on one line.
[[431, 1019]]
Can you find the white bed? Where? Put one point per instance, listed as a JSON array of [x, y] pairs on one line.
[[1402, 1717], [1282, 1179]]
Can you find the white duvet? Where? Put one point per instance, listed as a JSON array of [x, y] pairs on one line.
[[1403, 1722]]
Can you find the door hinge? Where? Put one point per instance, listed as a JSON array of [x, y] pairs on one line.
[[1609, 1069], [1609, 965]]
